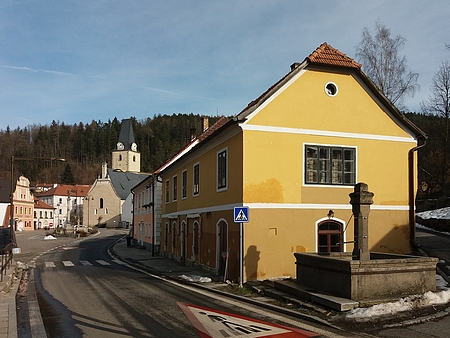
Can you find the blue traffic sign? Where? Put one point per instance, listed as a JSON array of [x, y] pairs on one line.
[[241, 214]]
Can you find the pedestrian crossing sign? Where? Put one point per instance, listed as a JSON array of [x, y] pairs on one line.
[[241, 214]]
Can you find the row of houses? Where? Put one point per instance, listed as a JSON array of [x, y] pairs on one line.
[[42, 206], [292, 157]]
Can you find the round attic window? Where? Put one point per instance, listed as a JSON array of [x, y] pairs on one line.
[[331, 89]]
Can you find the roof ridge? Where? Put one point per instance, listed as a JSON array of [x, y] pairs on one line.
[[325, 54]]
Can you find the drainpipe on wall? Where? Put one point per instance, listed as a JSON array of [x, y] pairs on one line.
[[411, 193]]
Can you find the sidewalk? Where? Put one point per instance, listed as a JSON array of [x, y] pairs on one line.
[[8, 290], [158, 265]]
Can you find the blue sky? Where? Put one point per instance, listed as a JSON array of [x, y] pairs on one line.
[[78, 61]]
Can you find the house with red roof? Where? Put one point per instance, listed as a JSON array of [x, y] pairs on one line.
[[67, 202], [43, 215], [292, 157]]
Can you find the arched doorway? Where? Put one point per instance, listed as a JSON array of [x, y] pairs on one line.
[[330, 236], [222, 247]]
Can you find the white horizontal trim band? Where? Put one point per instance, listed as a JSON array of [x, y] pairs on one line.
[[197, 212], [326, 133]]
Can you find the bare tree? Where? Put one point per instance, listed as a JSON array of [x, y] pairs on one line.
[[380, 59], [438, 104]]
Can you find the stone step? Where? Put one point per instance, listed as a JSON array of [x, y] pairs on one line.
[[309, 294]]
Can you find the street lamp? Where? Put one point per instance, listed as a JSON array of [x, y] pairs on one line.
[[14, 158]]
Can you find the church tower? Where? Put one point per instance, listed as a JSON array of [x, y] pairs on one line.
[[126, 157]]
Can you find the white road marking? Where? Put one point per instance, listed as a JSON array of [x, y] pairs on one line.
[[68, 263], [86, 263], [50, 264], [102, 262]]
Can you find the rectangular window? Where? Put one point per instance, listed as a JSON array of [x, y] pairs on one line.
[[167, 191], [184, 184], [222, 169], [175, 187], [196, 184], [330, 165]]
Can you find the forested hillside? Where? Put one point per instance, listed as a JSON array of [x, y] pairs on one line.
[[86, 146]]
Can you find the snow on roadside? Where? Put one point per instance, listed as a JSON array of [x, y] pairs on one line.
[[404, 304], [443, 213]]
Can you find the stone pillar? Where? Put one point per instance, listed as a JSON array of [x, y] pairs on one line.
[[361, 199]]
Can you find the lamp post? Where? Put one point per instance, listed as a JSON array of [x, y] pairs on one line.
[[14, 158]]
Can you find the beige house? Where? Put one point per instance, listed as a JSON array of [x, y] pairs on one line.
[[23, 205]]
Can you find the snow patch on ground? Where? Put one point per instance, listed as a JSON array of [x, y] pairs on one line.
[[404, 304], [443, 213], [197, 279]]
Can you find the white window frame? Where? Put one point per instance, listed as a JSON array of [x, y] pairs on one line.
[[225, 186], [167, 190], [195, 187], [184, 184], [328, 181], [174, 188]]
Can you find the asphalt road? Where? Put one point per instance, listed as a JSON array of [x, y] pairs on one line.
[[83, 292]]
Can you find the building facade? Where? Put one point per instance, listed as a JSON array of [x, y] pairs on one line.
[[147, 213], [43, 215], [67, 201], [23, 202], [293, 156]]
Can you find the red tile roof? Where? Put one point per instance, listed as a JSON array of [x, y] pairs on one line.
[[76, 190], [327, 55], [41, 205]]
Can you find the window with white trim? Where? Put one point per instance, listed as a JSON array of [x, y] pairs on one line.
[[196, 180], [167, 191], [222, 169], [183, 184], [330, 165], [174, 188]]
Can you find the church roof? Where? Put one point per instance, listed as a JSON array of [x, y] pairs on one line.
[[123, 181], [126, 135]]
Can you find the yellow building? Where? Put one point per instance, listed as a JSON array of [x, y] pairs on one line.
[[293, 156]]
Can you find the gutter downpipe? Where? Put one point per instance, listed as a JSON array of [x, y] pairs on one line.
[[153, 215], [411, 193]]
